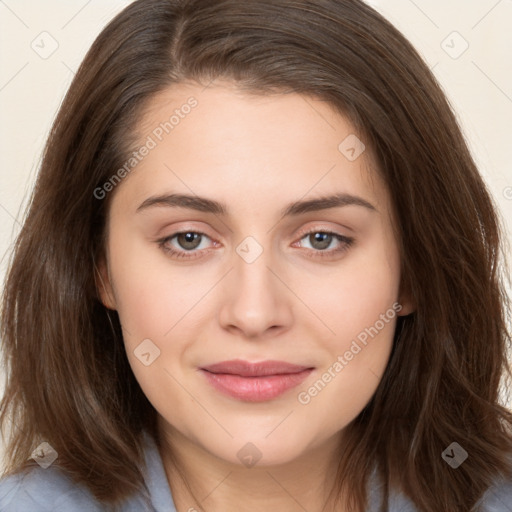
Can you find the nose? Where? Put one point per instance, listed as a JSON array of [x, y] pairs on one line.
[[256, 302]]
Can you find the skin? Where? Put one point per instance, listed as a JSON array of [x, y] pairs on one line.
[[255, 154]]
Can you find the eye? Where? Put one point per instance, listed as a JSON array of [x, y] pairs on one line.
[[189, 244], [320, 240], [186, 243]]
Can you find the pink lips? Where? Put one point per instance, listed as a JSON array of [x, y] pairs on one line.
[[255, 382]]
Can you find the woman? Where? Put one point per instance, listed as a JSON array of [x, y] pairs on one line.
[[260, 269]]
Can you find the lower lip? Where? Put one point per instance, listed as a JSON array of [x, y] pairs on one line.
[[255, 389]]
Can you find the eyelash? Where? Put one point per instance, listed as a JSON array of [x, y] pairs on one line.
[[347, 243]]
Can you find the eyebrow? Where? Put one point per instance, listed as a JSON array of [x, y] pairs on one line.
[[203, 204]]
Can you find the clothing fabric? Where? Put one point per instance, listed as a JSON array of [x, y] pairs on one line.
[[45, 490]]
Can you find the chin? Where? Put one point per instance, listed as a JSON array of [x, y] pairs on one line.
[[257, 451]]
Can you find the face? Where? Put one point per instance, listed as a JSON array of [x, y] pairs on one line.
[[220, 256]]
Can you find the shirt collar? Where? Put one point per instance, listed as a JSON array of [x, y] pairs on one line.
[[156, 478]]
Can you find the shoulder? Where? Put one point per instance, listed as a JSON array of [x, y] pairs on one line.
[[497, 498], [37, 489], [42, 490]]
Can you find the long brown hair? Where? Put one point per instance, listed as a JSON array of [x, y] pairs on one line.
[[68, 378]]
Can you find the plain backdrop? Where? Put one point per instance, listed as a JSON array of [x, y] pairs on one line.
[[467, 44]]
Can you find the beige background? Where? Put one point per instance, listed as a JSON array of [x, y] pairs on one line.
[[42, 44]]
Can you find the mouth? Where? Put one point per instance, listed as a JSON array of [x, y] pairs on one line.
[[255, 382]]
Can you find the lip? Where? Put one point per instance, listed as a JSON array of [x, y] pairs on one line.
[[255, 382]]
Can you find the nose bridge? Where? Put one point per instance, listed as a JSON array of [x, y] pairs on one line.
[[253, 279], [255, 299]]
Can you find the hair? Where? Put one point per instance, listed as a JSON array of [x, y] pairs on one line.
[[68, 380]]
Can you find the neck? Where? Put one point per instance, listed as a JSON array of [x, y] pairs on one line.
[[213, 484]]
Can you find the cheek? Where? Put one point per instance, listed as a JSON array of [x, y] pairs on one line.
[[356, 359], [357, 291], [152, 295], [359, 305]]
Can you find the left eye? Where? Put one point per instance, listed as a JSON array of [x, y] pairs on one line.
[[321, 240]]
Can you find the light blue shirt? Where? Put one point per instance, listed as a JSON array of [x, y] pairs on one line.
[[45, 490]]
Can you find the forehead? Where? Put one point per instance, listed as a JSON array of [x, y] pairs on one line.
[[221, 141]]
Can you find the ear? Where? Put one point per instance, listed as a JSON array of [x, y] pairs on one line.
[[103, 283]]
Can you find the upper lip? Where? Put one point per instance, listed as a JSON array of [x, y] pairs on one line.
[[261, 369]]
